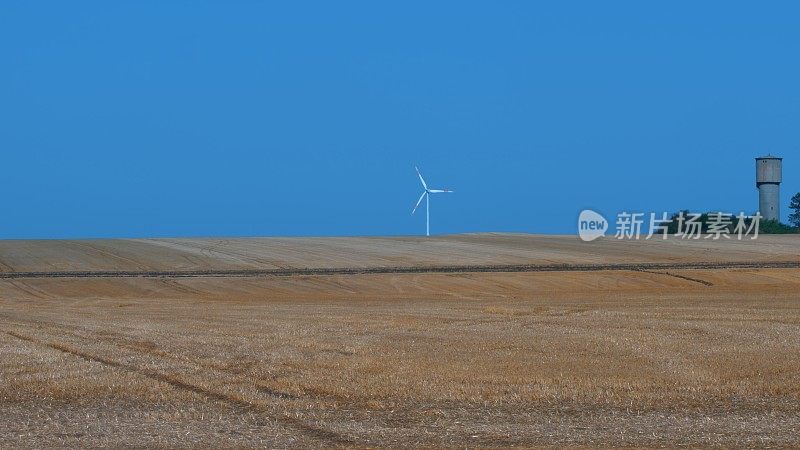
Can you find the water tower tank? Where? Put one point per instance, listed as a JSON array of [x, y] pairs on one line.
[[768, 182]]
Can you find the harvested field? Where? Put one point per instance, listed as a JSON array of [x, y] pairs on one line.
[[657, 356]]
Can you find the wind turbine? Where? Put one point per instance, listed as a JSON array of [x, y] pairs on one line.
[[427, 194]]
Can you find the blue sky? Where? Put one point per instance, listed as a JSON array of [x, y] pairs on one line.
[[242, 118]]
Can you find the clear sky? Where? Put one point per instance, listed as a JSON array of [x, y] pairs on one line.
[[243, 118]]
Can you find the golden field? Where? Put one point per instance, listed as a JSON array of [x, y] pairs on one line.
[[581, 358]]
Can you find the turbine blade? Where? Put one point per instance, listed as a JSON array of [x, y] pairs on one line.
[[418, 202], [438, 191], [421, 179]]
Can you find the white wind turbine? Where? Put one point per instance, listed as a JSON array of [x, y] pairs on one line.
[[427, 194]]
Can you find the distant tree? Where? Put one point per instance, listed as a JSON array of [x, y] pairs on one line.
[[765, 226], [794, 205], [775, 227]]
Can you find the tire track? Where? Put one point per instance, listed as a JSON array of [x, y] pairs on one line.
[[682, 277], [216, 248], [321, 434], [143, 348], [30, 290], [91, 248], [252, 273], [171, 283]]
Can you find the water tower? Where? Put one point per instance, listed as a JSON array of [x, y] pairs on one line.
[[768, 182]]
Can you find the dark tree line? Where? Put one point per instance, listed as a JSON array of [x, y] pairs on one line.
[[677, 224]]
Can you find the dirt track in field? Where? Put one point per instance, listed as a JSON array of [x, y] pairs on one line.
[[400, 270], [635, 349]]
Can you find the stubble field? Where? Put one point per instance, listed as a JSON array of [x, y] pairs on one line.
[[615, 356]]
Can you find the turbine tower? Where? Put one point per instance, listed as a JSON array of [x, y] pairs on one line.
[[427, 194]]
